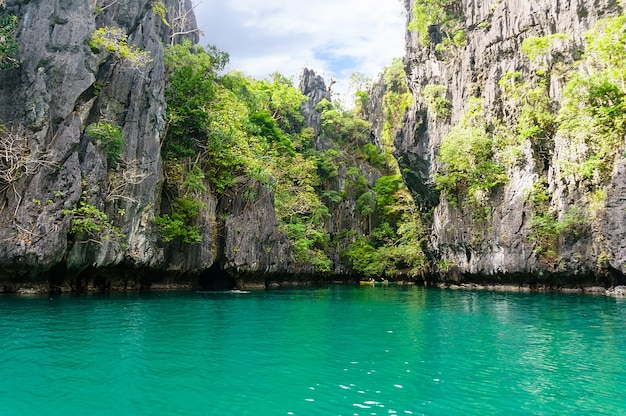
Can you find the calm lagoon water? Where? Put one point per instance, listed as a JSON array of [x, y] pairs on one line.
[[332, 351]]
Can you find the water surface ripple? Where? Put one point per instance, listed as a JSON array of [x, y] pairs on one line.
[[332, 351]]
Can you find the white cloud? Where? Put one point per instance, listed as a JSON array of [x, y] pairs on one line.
[[333, 37]]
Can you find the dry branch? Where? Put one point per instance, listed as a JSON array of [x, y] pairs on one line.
[[17, 159], [120, 181]]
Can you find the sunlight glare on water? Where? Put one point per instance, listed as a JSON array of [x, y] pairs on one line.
[[331, 351]]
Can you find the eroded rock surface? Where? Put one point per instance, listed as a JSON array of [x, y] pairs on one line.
[[499, 246]]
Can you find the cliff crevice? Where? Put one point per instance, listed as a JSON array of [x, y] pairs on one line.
[[488, 233]]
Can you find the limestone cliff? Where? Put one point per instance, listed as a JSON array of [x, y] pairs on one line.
[[78, 210], [61, 87], [72, 214], [497, 240], [344, 216]]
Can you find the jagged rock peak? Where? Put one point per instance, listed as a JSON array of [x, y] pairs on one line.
[[313, 87]]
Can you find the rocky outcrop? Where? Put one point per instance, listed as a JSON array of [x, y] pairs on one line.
[[62, 87], [314, 88], [59, 173], [73, 214], [251, 243], [499, 246]]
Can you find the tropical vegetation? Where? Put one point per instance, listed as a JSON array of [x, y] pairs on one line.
[[223, 126], [8, 45]]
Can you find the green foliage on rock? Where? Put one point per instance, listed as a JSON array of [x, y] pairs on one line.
[[396, 101], [265, 125], [393, 247], [204, 131], [327, 167], [361, 99], [547, 228], [115, 41], [446, 14], [300, 212], [374, 155], [8, 45], [180, 223], [529, 102], [228, 122], [593, 113], [110, 137], [232, 125], [224, 127], [91, 224], [343, 126], [467, 158], [537, 120], [536, 46], [385, 189], [159, 9], [435, 97], [191, 88]]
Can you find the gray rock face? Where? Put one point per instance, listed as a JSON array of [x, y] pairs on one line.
[[314, 87], [501, 245], [250, 242], [612, 231], [373, 112], [62, 87], [61, 173]]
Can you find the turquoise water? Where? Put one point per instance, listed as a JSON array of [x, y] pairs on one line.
[[332, 351]]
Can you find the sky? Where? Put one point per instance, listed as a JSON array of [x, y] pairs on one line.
[[335, 38]]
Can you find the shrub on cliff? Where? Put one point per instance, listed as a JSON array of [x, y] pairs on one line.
[[8, 45], [89, 223], [446, 14], [179, 224], [115, 41], [468, 166], [192, 74], [110, 137], [343, 126], [593, 114]]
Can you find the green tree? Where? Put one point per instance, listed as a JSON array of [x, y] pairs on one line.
[[343, 126], [230, 150], [191, 85], [385, 189], [283, 101], [267, 127], [593, 113], [467, 158], [447, 14], [8, 45]]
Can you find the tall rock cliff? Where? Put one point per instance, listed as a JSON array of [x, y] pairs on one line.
[[70, 210], [62, 86], [82, 179], [487, 67]]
